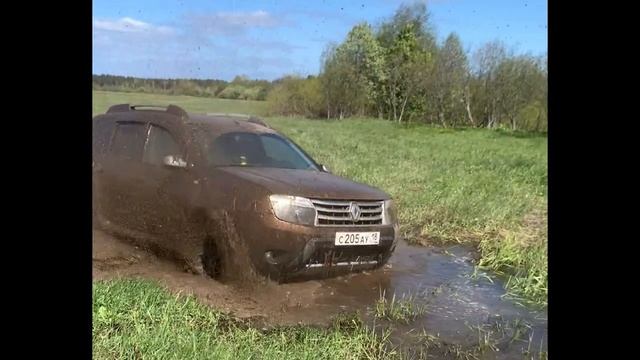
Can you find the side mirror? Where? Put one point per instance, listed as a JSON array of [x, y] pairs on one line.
[[325, 168], [174, 161]]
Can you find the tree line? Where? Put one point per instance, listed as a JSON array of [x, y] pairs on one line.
[[398, 71], [241, 87]]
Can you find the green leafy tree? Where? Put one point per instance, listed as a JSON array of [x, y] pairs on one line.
[[449, 81], [334, 79], [408, 68], [414, 15], [486, 98], [296, 96], [352, 72]]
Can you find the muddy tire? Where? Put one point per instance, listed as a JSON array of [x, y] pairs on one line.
[[225, 254], [211, 260]]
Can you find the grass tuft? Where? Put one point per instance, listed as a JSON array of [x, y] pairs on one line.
[[405, 309]]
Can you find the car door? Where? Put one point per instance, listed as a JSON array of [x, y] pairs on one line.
[[121, 175], [170, 188], [102, 129]]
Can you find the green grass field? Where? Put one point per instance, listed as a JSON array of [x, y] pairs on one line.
[[103, 99], [134, 319], [484, 187]]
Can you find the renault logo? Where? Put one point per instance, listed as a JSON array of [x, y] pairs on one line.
[[354, 210]]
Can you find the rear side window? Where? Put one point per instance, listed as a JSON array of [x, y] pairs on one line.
[[160, 144], [129, 139]]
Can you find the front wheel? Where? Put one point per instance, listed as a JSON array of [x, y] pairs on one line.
[[211, 259], [225, 253]]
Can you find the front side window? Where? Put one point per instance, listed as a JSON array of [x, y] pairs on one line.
[[129, 139], [160, 144], [257, 150]]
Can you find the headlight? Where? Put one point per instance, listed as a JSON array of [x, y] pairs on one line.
[[293, 209], [390, 217]]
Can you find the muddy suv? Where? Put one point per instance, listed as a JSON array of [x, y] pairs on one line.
[[228, 195]]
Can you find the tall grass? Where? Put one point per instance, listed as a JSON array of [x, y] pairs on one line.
[[136, 319], [403, 309], [522, 257]]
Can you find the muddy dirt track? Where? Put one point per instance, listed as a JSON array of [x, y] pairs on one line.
[[113, 258], [442, 279]]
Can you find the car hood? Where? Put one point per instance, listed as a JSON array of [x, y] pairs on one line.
[[307, 183]]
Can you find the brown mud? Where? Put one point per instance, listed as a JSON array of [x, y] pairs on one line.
[[465, 310]]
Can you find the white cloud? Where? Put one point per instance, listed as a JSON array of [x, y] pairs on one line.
[[129, 25], [259, 18], [233, 23], [213, 45]]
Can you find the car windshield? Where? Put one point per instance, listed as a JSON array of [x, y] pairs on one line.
[[257, 150]]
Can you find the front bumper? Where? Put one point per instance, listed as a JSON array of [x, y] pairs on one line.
[[320, 257], [284, 251]]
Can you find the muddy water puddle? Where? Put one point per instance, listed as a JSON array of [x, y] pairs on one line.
[[465, 314], [461, 307]]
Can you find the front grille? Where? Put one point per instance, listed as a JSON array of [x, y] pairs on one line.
[[340, 213]]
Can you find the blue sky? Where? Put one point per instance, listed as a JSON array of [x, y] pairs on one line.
[[269, 38]]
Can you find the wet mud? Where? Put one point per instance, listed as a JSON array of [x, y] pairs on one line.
[[466, 313]]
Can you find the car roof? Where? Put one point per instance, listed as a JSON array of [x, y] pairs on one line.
[[214, 123]]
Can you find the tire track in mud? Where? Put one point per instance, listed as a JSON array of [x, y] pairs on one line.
[[274, 304]]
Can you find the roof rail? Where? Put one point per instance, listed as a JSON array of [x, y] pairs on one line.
[[171, 109], [258, 121], [150, 107], [119, 108], [177, 110]]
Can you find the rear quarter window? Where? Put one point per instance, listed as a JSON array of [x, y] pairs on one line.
[[128, 141]]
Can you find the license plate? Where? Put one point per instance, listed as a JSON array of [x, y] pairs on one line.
[[357, 238]]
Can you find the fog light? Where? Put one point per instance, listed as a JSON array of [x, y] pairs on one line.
[[276, 257]]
